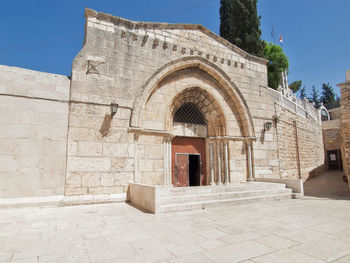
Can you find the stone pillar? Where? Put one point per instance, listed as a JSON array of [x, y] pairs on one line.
[[136, 178], [227, 181], [218, 152], [166, 161], [169, 160], [211, 163], [250, 164]]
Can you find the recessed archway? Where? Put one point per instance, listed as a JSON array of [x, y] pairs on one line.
[[235, 98]]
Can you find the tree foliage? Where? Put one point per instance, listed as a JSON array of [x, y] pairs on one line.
[[328, 94], [278, 62], [295, 86], [240, 25], [315, 97], [302, 94]]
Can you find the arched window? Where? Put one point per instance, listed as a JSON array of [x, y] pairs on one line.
[[189, 113]]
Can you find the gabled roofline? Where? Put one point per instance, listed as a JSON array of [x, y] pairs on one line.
[[155, 25]]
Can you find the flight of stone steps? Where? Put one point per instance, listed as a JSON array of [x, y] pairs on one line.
[[200, 197]]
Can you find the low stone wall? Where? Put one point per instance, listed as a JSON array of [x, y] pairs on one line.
[[144, 197], [33, 134], [295, 184]]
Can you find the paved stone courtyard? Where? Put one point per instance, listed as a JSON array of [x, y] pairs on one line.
[[304, 230]]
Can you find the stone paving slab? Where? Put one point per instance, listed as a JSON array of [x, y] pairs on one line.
[[301, 230]]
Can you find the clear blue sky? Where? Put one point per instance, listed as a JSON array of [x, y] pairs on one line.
[[45, 35]]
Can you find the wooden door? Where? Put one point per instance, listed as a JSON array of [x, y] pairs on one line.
[[188, 146], [182, 170]]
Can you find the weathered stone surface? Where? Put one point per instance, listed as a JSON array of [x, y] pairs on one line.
[[150, 70], [34, 120]]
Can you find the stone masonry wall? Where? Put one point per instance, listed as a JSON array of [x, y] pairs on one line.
[[59, 137], [307, 136], [33, 134], [345, 124], [114, 64]]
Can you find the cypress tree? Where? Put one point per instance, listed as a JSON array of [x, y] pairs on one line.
[[315, 98], [302, 94], [328, 94], [240, 25]]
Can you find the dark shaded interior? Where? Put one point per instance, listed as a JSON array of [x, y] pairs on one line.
[[194, 170]]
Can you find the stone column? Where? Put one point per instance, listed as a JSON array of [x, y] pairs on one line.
[[165, 161], [211, 163], [169, 160], [136, 178], [227, 181], [250, 165], [218, 148]]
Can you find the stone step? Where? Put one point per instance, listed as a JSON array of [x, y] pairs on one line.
[[193, 197], [215, 203], [178, 191]]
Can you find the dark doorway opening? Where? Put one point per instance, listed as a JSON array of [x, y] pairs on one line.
[[334, 160], [194, 170]]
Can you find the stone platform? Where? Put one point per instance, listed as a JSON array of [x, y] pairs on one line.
[[159, 199]]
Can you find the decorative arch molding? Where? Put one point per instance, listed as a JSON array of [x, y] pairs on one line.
[[212, 70], [209, 107]]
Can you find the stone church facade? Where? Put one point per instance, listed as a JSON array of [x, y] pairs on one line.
[[154, 104]]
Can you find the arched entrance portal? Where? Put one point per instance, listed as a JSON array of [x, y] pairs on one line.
[[225, 127], [188, 153], [195, 117]]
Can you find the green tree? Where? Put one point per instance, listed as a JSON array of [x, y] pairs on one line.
[[315, 97], [278, 62], [295, 86], [240, 25], [328, 95], [302, 94]]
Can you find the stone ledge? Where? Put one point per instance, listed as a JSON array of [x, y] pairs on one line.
[[60, 200], [92, 199], [42, 201]]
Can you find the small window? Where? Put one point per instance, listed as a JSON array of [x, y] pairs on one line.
[[189, 113]]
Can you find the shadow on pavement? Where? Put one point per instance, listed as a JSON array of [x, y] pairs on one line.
[[329, 184]]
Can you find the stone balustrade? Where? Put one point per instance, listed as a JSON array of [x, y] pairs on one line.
[[288, 100]]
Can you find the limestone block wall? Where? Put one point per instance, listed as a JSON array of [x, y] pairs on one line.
[[345, 124], [114, 65], [33, 134], [100, 150], [119, 56], [265, 150], [275, 151], [297, 134], [150, 159]]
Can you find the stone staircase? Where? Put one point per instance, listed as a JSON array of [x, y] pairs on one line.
[[172, 199]]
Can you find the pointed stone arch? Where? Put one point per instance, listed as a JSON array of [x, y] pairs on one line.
[[212, 70]]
